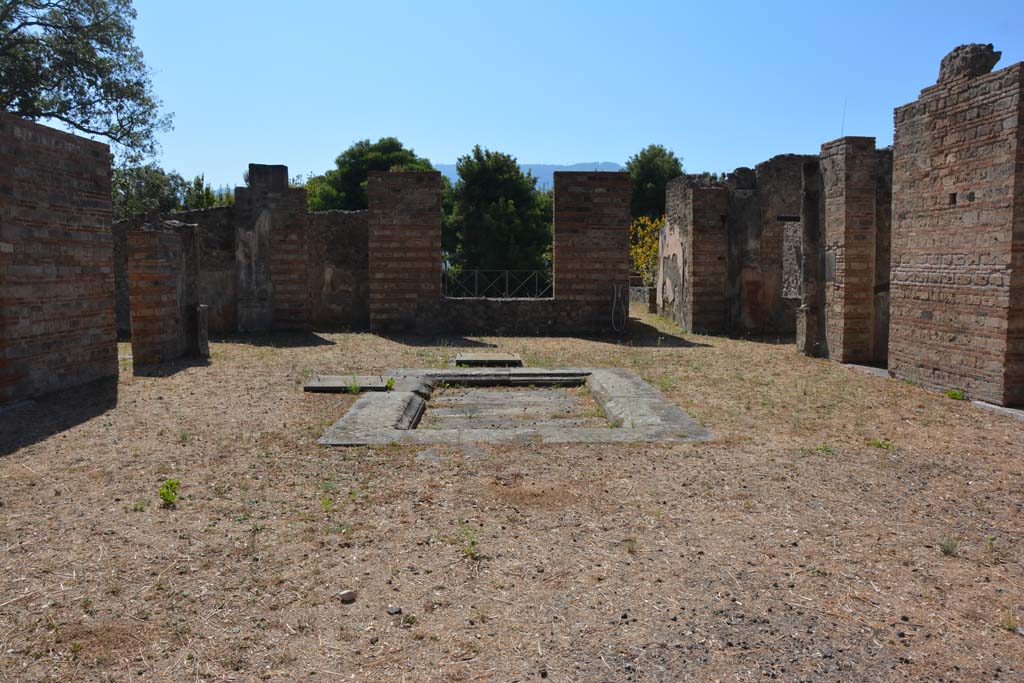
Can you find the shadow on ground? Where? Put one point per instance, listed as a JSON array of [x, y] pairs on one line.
[[172, 367], [457, 341], [279, 340], [38, 419]]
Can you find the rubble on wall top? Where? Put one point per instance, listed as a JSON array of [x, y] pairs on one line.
[[968, 61]]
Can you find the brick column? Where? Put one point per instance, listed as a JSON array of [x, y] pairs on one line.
[[702, 218], [591, 247], [157, 271], [404, 248], [849, 168]]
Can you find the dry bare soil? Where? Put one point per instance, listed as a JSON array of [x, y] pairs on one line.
[[839, 527]]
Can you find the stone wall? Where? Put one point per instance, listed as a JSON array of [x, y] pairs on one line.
[[846, 227], [338, 269], [163, 289], [404, 248], [736, 280], [591, 261], [957, 291], [56, 261]]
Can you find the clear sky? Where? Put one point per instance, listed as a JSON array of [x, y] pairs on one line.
[[723, 84]]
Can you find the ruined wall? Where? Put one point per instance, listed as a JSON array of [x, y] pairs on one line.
[[56, 261], [338, 269], [163, 287], [958, 231], [591, 261], [404, 248], [671, 254], [846, 233], [591, 248]]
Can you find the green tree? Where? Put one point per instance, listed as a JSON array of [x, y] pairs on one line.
[[76, 61], [344, 187], [198, 194], [498, 219], [650, 169], [141, 189]]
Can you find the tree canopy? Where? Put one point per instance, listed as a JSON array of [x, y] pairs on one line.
[[650, 169], [76, 61], [498, 219], [344, 187], [140, 189]]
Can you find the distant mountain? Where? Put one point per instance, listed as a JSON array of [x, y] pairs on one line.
[[544, 173]]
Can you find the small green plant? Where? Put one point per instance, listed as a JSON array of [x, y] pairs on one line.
[[408, 620], [325, 502], [884, 444], [949, 546], [1009, 621], [990, 543], [955, 394], [169, 492], [470, 544], [353, 386], [76, 646], [138, 506], [390, 384], [824, 448], [184, 437]]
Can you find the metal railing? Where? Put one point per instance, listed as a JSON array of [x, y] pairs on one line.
[[497, 284]]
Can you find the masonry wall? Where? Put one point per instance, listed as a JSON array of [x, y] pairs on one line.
[[56, 261], [591, 249], [404, 248], [162, 283], [958, 235], [338, 265]]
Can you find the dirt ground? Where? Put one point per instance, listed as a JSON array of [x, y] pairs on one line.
[[839, 527]]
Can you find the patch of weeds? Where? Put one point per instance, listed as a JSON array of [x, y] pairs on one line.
[[825, 448], [408, 620], [184, 437], [76, 647], [664, 383], [630, 545], [329, 486], [955, 394], [390, 384], [169, 492], [990, 543], [1009, 621], [353, 386], [87, 606], [470, 544], [884, 444], [950, 546], [138, 506], [325, 502]]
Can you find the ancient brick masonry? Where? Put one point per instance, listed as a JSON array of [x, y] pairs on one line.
[[845, 275], [56, 261], [723, 250], [591, 261], [162, 280], [958, 231], [404, 247]]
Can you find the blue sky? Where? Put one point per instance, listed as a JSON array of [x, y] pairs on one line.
[[722, 84]]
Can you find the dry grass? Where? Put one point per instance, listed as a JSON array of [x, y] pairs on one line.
[[787, 548]]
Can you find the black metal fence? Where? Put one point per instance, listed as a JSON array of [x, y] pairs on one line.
[[497, 284]]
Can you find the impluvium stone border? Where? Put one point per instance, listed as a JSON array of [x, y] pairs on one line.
[[636, 411]]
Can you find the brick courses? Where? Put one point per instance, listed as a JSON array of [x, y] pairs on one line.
[[56, 261]]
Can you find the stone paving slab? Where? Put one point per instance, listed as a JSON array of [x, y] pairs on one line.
[[638, 411], [342, 384], [491, 359]]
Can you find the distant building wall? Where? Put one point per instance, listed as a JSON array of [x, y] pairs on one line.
[[337, 244], [957, 286], [56, 261]]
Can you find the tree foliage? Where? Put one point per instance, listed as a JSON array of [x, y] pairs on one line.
[[643, 247], [76, 61], [497, 218], [344, 187], [141, 189], [650, 169], [198, 194]]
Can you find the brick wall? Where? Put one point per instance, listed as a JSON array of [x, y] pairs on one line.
[[957, 237], [56, 261], [162, 283], [591, 247], [404, 248], [671, 255], [338, 269]]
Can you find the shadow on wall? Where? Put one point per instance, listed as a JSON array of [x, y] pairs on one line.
[[280, 340], [36, 420]]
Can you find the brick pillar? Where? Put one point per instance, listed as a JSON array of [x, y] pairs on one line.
[[161, 284], [591, 247], [701, 216], [849, 168], [271, 252], [810, 317], [404, 248]]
